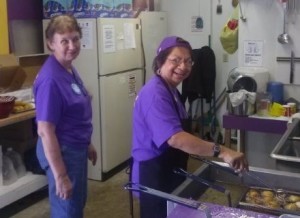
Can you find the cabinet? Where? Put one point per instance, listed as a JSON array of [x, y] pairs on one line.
[[24, 185], [4, 45]]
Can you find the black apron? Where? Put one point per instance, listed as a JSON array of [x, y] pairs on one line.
[[157, 173]]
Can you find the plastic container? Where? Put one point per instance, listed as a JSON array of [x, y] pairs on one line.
[[276, 90], [9, 173], [17, 161]]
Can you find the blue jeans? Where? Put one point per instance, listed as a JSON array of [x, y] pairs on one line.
[[75, 160]]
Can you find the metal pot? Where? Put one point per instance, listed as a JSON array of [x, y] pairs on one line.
[[244, 109], [237, 81]]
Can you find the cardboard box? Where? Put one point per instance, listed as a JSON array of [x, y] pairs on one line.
[[12, 76], [57, 7], [101, 8], [19, 72], [31, 64]]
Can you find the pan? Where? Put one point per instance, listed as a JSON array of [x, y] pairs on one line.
[[264, 200]]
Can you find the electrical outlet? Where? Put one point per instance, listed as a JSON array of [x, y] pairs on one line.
[[225, 57]]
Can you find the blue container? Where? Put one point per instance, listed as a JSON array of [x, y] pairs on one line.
[[276, 90]]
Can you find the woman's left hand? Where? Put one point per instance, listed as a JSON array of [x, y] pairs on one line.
[[92, 154]]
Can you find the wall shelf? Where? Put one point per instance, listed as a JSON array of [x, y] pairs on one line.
[[26, 184]]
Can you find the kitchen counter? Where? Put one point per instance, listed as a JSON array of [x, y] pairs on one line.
[[254, 123]]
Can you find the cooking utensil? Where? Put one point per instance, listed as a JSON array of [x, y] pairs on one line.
[[280, 193], [284, 38], [243, 18], [218, 166], [173, 198], [218, 188], [237, 81], [292, 67]]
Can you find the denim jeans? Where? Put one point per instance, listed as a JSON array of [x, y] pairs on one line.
[[75, 160]]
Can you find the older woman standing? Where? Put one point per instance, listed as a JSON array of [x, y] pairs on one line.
[[64, 115], [160, 140]]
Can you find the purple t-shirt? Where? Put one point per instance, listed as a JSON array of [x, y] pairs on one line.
[[155, 120], [61, 99]]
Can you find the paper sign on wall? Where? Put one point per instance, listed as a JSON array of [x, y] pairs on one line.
[[87, 34], [253, 53], [109, 38]]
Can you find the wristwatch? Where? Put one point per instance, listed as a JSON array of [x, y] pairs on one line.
[[216, 149]]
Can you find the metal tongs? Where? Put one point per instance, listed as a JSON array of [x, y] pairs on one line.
[[173, 198], [280, 193], [219, 188]]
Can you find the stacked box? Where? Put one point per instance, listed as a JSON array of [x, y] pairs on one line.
[[123, 8], [57, 7], [82, 9], [88, 8]]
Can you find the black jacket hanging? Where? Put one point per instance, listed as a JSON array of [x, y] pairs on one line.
[[201, 82]]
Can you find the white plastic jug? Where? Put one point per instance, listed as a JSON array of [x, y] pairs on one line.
[[9, 173], [17, 162]]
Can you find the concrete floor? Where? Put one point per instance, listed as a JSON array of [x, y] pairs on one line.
[[105, 199]]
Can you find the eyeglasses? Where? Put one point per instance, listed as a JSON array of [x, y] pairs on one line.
[[179, 61]]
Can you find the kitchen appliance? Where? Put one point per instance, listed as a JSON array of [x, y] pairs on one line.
[[235, 184], [112, 68], [259, 74], [237, 81]]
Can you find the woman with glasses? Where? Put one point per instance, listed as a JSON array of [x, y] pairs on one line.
[[64, 120], [161, 139]]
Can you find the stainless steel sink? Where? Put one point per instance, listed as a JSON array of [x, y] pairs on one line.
[[288, 147]]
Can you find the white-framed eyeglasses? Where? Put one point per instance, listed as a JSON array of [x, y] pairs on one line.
[[179, 61]]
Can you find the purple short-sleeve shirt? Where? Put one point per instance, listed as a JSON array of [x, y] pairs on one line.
[[61, 99], [155, 120]]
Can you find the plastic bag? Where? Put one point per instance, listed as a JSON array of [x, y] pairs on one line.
[[229, 33]]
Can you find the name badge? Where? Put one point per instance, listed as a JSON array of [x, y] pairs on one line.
[[76, 88]]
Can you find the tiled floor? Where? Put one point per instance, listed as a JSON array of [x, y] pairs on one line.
[[105, 199]]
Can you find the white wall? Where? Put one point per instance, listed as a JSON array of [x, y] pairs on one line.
[[180, 15], [265, 22], [179, 24]]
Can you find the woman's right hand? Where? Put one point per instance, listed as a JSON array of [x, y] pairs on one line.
[[235, 159], [63, 187]]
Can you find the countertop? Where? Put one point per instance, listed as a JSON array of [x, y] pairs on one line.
[[277, 125]]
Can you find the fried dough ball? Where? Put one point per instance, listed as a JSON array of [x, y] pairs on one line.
[[272, 204], [267, 193], [253, 193], [290, 206], [293, 198], [268, 198]]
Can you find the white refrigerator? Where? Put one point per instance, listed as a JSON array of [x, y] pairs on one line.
[[154, 29], [112, 68]]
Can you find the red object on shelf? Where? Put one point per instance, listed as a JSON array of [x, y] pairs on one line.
[[6, 105]]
